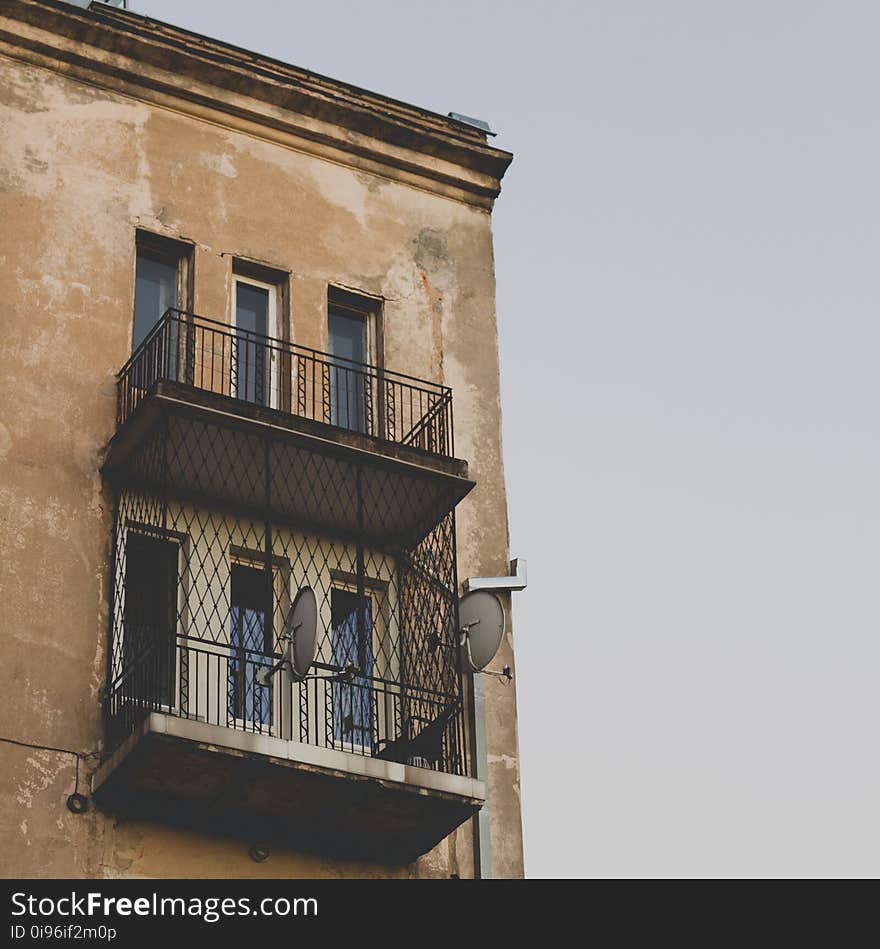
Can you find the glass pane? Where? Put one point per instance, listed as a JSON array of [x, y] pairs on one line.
[[251, 370], [252, 308], [347, 336], [150, 618], [155, 291]]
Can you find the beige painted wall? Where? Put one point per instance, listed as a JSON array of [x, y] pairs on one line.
[[80, 169]]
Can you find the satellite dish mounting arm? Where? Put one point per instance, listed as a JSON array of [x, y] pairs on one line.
[[505, 673]]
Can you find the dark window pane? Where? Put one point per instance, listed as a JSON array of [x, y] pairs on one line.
[[150, 618], [252, 356], [347, 336], [155, 291], [252, 308]]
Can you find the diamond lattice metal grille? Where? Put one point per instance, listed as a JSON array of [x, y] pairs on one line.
[[210, 548]]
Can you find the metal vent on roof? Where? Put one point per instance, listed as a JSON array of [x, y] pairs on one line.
[[480, 124]]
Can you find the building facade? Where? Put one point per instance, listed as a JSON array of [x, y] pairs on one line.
[[250, 386]]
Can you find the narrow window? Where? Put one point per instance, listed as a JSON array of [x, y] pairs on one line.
[[352, 645], [161, 281], [352, 343], [250, 645], [150, 620], [255, 347]]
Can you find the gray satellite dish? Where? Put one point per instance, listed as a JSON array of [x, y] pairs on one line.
[[481, 617], [302, 634]]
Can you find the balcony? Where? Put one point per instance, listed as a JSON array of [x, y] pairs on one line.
[[260, 371], [244, 469], [198, 398]]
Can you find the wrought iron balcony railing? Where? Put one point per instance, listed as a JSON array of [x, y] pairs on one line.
[[276, 374], [218, 684]]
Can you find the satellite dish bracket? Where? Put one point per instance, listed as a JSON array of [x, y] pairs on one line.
[[505, 673], [337, 674], [512, 584]]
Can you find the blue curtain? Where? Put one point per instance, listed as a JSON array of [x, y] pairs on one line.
[[352, 709], [247, 699]]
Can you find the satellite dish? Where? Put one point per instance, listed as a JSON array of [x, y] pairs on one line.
[[481, 617], [302, 634]]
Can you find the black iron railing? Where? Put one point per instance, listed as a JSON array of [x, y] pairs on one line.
[[369, 716], [276, 374]]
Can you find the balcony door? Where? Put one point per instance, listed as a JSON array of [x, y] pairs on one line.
[[150, 619], [255, 376], [348, 344], [162, 282]]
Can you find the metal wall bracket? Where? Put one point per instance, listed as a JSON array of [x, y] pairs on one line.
[[517, 580]]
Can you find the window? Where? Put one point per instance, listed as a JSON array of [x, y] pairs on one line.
[[352, 645], [250, 639], [352, 329], [161, 281], [254, 360], [150, 619]]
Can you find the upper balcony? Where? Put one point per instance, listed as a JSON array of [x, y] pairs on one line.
[[259, 371], [251, 408]]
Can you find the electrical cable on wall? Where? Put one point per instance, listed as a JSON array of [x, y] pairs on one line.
[[76, 803]]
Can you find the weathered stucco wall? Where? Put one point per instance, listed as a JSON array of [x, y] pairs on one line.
[[80, 169]]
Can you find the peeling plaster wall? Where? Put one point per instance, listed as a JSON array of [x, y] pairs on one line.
[[80, 169]]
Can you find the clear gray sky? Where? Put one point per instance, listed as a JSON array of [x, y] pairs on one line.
[[687, 260]]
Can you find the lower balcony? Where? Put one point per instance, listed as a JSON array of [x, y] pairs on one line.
[[271, 792], [369, 756], [360, 760]]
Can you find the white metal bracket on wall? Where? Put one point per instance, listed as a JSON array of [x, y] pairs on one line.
[[517, 580]]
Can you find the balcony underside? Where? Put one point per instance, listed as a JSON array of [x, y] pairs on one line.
[[273, 792], [194, 443]]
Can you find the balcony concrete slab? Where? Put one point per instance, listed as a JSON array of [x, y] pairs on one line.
[[270, 791], [404, 491]]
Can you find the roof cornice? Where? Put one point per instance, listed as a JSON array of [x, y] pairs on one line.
[[217, 82]]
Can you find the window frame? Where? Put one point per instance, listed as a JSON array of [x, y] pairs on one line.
[[345, 586], [371, 310], [273, 294], [176, 671], [170, 250], [256, 560]]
